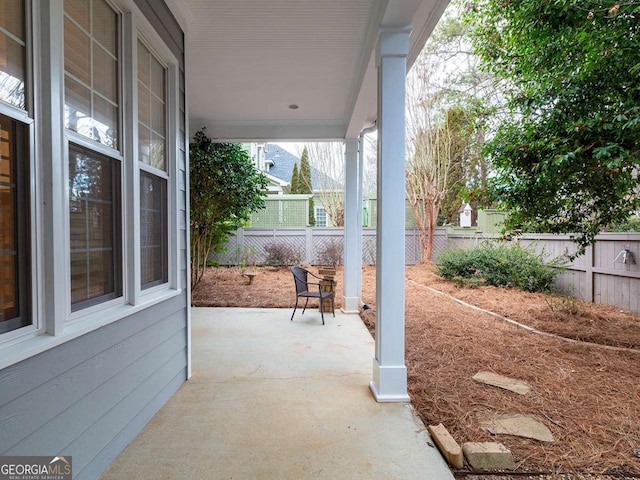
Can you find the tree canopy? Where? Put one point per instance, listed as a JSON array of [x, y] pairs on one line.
[[448, 102], [225, 188], [567, 153]]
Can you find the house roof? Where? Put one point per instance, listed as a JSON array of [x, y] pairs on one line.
[[249, 62], [282, 168]]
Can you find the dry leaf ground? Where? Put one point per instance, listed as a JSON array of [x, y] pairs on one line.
[[589, 396]]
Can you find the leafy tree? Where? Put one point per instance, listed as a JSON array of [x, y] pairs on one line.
[[225, 188], [567, 155], [447, 87], [305, 185], [438, 151]]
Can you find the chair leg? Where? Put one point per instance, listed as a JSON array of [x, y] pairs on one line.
[[333, 307], [321, 312], [294, 310], [305, 305]]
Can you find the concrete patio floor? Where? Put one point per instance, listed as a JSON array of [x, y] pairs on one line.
[[274, 399]]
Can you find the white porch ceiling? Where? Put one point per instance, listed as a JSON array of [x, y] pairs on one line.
[[249, 60]]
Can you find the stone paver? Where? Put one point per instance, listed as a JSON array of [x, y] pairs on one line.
[[500, 381], [447, 445], [488, 456], [518, 425]]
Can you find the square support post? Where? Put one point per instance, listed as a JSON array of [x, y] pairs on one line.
[[389, 382], [352, 252]]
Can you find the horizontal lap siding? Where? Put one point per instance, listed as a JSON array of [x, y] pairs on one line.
[[78, 398]]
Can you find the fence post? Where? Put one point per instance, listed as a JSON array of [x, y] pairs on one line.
[[589, 274], [240, 238], [308, 243]]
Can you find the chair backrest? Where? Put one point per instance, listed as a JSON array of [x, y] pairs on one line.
[[300, 278]]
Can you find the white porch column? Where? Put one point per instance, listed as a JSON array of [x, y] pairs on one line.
[[352, 229], [389, 382]]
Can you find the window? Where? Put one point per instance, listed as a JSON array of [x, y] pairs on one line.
[[321, 217], [104, 148], [92, 109], [153, 230], [152, 153], [12, 53], [91, 70], [94, 213], [14, 223], [15, 238]]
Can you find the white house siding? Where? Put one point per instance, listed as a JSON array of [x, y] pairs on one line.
[[89, 397]]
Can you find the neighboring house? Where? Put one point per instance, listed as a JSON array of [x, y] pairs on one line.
[[276, 185], [94, 295], [289, 210]]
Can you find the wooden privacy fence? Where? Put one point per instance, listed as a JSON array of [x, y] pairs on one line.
[[598, 276]]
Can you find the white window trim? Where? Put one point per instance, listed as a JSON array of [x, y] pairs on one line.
[[89, 313], [17, 334], [49, 159], [150, 39]]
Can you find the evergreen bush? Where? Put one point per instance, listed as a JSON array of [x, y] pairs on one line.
[[499, 264]]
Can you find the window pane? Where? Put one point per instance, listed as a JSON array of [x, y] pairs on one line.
[[152, 110], [105, 73], [157, 116], [12, 17], [157, 78], [14, 226], [157, 152], [144, 144], [105, 122], [12, 53], [144, 105], [144, 57], [153, 230], [77, 107], [321, 217], [94, 209], [78, 10], [91, 71], [7, 209], [105, 22], [77, 52]]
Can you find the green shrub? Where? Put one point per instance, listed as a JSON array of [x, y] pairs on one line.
[[502, 265]]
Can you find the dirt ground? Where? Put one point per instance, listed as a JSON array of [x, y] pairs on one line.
[[586, 391]]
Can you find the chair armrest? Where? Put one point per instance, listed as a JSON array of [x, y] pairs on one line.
[[315, 276], [333, 282]]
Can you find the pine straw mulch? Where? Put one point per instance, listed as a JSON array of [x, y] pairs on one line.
[[589, 396]]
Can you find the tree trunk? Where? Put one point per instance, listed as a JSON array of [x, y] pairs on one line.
[[201, 244], [432, 219]]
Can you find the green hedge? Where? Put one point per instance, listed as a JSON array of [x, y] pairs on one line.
[[499, 264]]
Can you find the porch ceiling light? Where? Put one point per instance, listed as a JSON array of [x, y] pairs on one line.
[[293, 106]]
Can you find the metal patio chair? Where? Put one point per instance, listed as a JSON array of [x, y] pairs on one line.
[[307, 289]]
